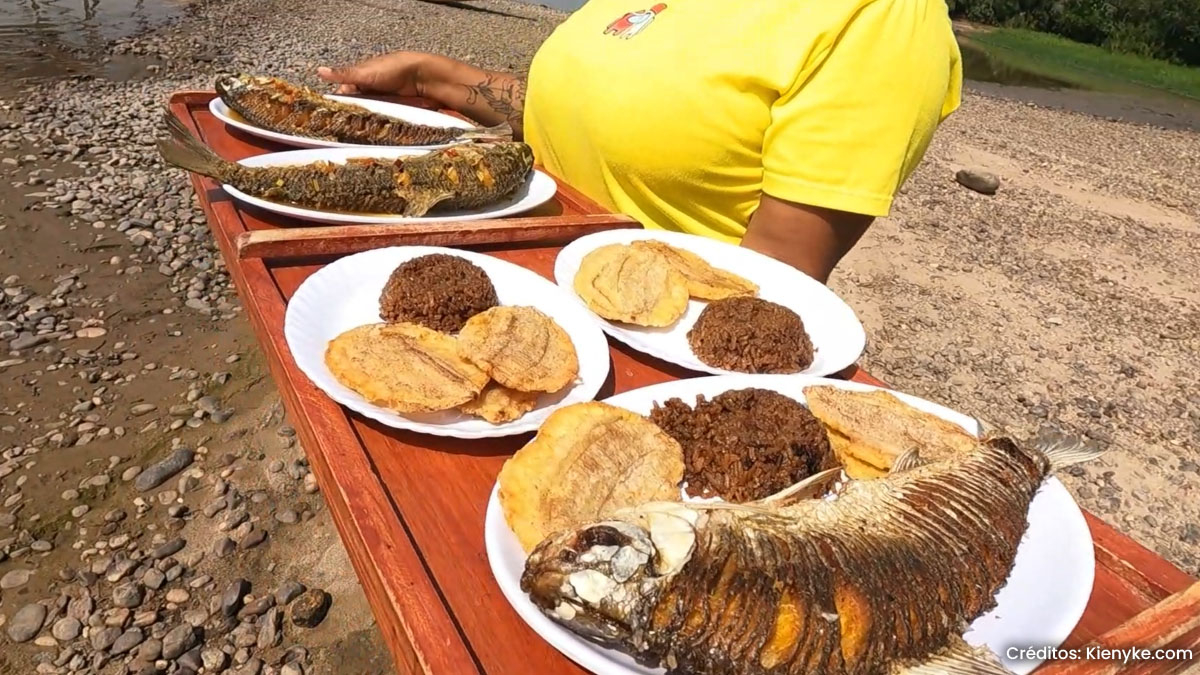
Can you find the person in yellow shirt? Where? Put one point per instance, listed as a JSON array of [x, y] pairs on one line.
[[785, 126]]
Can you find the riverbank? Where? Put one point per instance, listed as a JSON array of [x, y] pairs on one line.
[[1068, 299]]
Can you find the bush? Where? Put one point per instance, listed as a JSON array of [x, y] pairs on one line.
[[1164, 29]]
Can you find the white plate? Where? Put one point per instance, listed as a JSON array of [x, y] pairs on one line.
[[835, 331], [538, 189], [405, 112], [345, 294], [1044, 598]]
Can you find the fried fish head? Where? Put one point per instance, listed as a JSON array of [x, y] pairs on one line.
[[521, 348], [704, 281], [587, 460], [404, 367], [875, 427], [632, 285], [499, 404]]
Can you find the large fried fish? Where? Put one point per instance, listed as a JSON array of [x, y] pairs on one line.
[[634, 285], [875, 428], [704, 281], [460, 177], [550, 484], [404, 367], [881, 577], [521, 348], [499, 404], [276, 105]]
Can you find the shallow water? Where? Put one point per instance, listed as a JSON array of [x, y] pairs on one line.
[[41, 37]]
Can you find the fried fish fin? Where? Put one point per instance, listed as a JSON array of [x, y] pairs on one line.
[[958, 659], [704, 281], [420, 202]]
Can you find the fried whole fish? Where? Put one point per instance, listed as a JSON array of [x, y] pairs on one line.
[[459, 177], [277, 105], [882, 577]]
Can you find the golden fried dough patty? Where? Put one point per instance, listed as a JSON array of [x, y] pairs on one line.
[[521, 348], [633, 285], [704, 281], [404, 367]]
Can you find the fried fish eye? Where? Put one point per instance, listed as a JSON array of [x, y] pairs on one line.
[[601, 535]]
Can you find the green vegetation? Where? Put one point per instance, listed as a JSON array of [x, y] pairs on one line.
[[1082, 65], [1162, 29]]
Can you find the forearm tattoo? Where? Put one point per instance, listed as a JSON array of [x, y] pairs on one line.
[[505, 95]]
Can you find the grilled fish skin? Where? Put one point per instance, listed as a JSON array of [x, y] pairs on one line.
[[883, 577], [283, 107], [459, 177]]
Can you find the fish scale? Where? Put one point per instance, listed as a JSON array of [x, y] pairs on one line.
[[887, 574]]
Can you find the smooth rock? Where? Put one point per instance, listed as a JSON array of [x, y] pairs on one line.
[[170, 548], [128, 640], [268, 629], [289, 591], [982, 182], [178, 596], [257, 607], [158, 473], [310, 608], [15, 578], [214, 660], [105, 637], [128, 595], [66, 629], [153, 579], [233, 597], [181, 638], [25, 624]]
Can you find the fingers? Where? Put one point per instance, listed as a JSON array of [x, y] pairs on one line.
[[344, 78]]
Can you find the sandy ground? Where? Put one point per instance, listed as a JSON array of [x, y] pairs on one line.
[[1068, 299]]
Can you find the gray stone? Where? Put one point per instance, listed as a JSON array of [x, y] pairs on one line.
[[150, 650], [257, 607], [252, 667], [310, 608], [268, 629], [178, 596], [142, 409], [982, 182], [170, 548], [291, 669], [224, 547], [214, 660], [255, 537], [154, 579], [233, 596], [105, 637], [160, 472], [289, 591], [128, 595], [128, 640], [15, 578], [26, 623], [181, 638], [66, 629], [190, 662], [286, 516]]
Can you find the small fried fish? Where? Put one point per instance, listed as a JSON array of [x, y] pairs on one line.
[[460, 177], [550, 484], [878, 427], [634, 285], [283, 107], [704, 281], [499, 404], [521, 348], [404, 367]]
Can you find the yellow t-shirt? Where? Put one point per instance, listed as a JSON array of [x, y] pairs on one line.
[[683, 113]]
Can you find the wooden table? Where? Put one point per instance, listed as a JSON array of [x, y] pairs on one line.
[[410, 508]]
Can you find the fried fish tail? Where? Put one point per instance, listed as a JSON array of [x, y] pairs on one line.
[[500, 132], [186, 152]]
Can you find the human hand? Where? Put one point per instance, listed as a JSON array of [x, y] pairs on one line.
[[396, 74]]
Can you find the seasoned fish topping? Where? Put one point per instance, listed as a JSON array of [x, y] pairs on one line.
[[283, 107], [411, 186]]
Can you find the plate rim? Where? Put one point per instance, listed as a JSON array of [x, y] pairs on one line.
[[524, 609], [519, 426], [622, 335], [218, 108]]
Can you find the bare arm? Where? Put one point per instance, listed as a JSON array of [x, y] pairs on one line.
[[488, 97], [809, 238], [485, 96]]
